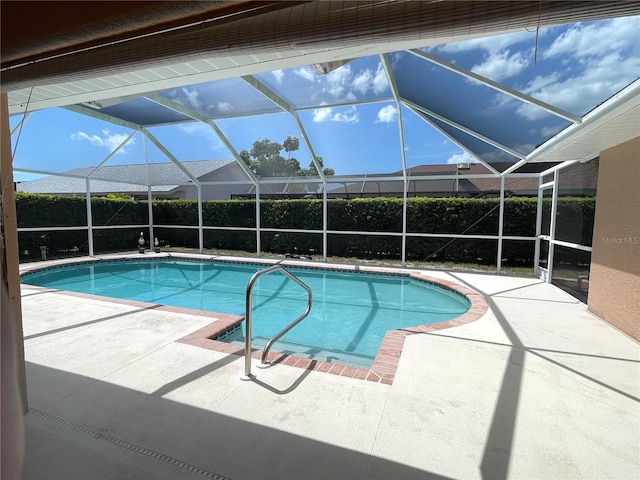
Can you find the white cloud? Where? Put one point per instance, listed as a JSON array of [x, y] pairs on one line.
[[500, 65], [106, 140], [598, 39], [348, 115], [346, 85], [575, 94], [225, 107], [362, 81], [338, 82], [367, 80], [204, 135], [321, 115], [387, 114], [463, 157], [599, 59], [278, 75], [380, 80], [193, 128], [306, 72], [192, 98]]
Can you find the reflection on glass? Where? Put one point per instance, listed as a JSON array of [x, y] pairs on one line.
[[517, 255], [229, 97], [547, 195], [498, 158], [543, 257], [359, 80], [144, 112], [507, 120], [577, 186], [546, 64], [571, 271]]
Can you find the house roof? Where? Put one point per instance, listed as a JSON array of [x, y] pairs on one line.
[[578, 177], [162, 177]]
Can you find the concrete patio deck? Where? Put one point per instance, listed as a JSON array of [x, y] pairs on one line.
[[537, 388]]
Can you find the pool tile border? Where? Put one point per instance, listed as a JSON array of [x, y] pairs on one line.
[[384, 365]]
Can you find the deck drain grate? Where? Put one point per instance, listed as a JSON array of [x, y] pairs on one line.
[[130, 446]]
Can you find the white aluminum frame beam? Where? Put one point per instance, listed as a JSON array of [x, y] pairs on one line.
[[417, 111], [89, 217], [290, 109], [560, 166], [575, 119], [405, 183], [287, 107], [97, 114], [464, 129], [115, 151], [500, 226], [621, 102], [552, 227], [186, 171], [190, 112]]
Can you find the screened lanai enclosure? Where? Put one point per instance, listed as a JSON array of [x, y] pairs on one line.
[[277, 151]]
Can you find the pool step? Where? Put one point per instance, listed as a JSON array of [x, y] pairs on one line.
[[311, 352]]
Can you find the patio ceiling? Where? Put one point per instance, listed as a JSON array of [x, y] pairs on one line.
[[138, 82]]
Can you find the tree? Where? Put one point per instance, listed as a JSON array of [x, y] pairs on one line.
[[265, 160], [291, 144], [311, 171]]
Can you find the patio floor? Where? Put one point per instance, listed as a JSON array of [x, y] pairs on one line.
[[537, 388]]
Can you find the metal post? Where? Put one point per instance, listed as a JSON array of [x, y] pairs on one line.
[[89, 218], [536, 253], [149, 196], [325, 219], [394, 88], [150, 213], [247, 333], [500, 225], [258, 219], [248, 320], [404, 223], [552, 229], [200, 220]]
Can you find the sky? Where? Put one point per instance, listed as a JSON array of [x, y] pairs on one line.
[[574, 67]]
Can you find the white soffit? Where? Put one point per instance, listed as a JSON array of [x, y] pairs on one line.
[[614, 122]]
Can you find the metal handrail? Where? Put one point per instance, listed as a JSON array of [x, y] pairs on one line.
[[247, 336]]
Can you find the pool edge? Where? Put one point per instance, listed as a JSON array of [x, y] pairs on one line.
[[385, 363]]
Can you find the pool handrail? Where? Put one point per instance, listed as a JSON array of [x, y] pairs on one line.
[[248, 320]]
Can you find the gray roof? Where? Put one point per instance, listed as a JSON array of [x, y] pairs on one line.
[[163, 177]]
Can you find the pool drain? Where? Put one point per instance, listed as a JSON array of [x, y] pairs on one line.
[[131, 446]]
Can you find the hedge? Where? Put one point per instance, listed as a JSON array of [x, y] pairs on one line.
[[424, 215]]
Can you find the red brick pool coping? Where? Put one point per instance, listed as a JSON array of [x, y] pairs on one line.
[[385, 363]]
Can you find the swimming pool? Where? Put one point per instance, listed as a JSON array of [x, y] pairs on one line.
[[351, 313]]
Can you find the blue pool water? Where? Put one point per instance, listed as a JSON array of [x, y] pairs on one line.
[[350, 315]]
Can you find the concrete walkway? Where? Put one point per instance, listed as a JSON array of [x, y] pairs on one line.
[[536, 389]]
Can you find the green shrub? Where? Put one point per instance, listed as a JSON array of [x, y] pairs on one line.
[[379, 215]]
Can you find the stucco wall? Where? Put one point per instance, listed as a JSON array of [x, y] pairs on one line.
[[614, 286], [230, 172]]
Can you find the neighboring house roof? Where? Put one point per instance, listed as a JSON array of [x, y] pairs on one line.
[[163, 177], [576, 178]]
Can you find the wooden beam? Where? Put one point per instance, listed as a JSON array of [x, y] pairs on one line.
[[10, 271]]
